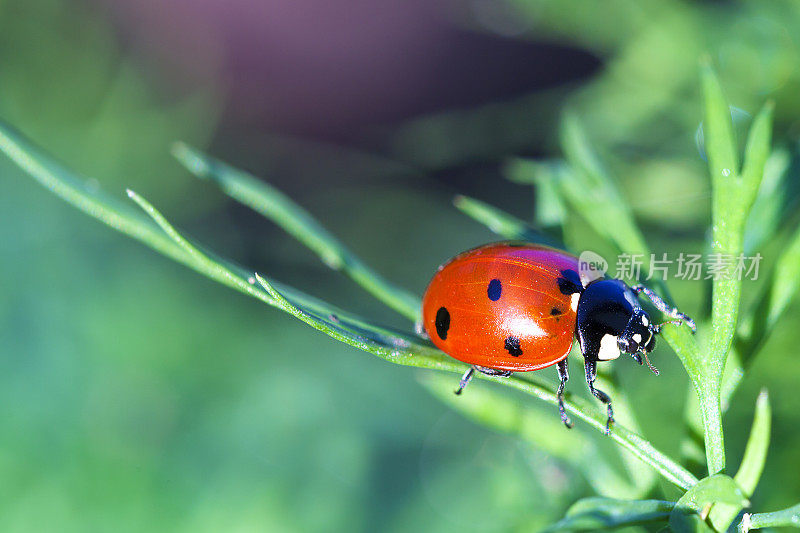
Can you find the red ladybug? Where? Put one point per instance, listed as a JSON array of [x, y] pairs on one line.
[[510, 307]]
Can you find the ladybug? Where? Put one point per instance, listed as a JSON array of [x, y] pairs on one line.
[[514, 307]]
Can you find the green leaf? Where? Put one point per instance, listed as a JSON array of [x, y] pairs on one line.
[[789, 517], [692, 509], [594, 514], [399, 348], [757, 152], [550, 207], [642, 479], [494, 408], [755, 455], [623, 436], [732, 200], [392, 346], [158, 234], [502, 223], [276, 206], [594, 194], [720, 142], [779, 291], [733, 195], [769, 207], [727, 233]]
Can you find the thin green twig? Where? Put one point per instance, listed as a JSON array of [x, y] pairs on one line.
[[276, 206], [394, 347]]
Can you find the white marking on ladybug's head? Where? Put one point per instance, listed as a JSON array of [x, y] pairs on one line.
[[609, 350], [645, 321], [637, 338], [574, 301]]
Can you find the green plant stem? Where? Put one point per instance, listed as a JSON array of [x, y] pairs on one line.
[[789, 517], [755, 456], [394, 347], [502, 223], [733, 194], [595, 514], [493, 407], [276, 206], [629, 440]]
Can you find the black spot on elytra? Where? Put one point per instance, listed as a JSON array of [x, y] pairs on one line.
[[513, 347], [555, 311], [442, 322], [569, 282], [494, 290]]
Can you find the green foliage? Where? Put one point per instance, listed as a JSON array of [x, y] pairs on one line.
[[582, 183], [734, 192], [592, 514], [692, 509], [755, 456], [502, 223], [274, 205], [490, 407], [784, 518], [65, 81], [395, 347]]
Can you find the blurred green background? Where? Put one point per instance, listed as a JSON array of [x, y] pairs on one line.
[[137, 396]]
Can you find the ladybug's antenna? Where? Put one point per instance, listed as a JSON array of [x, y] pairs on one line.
[[652, 368]]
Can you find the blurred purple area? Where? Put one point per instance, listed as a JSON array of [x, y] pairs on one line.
[[327, 69]]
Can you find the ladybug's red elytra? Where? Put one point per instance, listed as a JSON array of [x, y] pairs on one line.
[[515, 307]]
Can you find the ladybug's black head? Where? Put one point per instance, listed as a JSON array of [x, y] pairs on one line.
[[639, 334], [611, 321]]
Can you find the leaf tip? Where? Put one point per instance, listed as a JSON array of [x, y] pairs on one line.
[[768, 109], [179, 149], [264, 283], [191, 159], [763, 398]]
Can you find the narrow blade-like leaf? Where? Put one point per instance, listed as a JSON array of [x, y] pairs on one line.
[[495, 408], [757, 150], [692, 509], [279, 208], [595, 514], [755, 455], [399, 348], [719, 138], [502, 223]]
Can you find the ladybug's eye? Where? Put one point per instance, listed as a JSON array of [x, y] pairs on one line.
[[651, 343], [625, 345]]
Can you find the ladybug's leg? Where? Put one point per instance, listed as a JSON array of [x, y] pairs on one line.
[[465, 379], [591, 376], [563, 375], [664, 307], [493, 371], [419, 329]]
